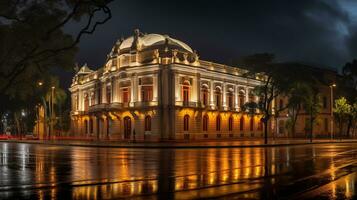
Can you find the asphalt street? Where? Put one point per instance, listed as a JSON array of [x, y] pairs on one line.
[[38, 171]]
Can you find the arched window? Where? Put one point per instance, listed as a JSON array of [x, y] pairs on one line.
[[230, 100], [260, 125], [218, 97], [230, 123], [241, 99], [186, 92], [86, 102], [90, 125], [241, 123], [205, 123], [109, 94], [85, 126], [148, 123], [218, 123], [99, 94], [205, 96], [251, 124], [186, 120]]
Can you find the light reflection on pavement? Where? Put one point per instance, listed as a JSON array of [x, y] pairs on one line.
[[34, 171]]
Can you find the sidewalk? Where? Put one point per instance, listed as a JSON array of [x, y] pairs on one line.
[[246, 143]]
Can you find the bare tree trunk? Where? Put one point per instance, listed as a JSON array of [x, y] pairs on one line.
[[293, 125], [311, 125], [265, 131], [340, 127], [349, 126], [17, 122]]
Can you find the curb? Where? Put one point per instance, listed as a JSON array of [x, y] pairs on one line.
[[175, 147]]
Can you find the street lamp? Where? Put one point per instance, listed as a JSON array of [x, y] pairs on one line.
[[331, 108], [52, 111]]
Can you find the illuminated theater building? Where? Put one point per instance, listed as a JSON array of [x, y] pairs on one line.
[[154, 87]]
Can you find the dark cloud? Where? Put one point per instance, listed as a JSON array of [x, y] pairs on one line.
[[352, 41], [315, 31]]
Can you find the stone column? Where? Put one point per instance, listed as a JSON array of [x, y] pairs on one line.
[[135, 88], [212, 93], [177, 87], [198, 88], [224, 95], [236, 99], [112, 89], [115, 89], [104, 93], [155, 86], [246, 94], [80, 100], [139, 93], [193, 95]]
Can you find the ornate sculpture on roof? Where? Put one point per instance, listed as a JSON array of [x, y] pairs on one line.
[[136, 46]]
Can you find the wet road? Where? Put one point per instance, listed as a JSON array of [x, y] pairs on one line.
[[33, 171]]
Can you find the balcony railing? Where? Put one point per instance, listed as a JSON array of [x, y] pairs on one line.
[[187, 104], [145, 103], [120, 106], [105, 106]]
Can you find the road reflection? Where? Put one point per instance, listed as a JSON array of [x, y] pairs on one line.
[[50, 172]]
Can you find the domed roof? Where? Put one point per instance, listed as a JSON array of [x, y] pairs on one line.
[[143, 41]]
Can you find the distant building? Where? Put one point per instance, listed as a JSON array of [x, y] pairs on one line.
[[154, 87]]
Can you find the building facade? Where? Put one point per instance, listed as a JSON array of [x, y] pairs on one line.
[[154, 87]]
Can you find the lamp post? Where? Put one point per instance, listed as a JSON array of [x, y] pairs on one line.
[[52, 111], [331, 108], [40, 85]]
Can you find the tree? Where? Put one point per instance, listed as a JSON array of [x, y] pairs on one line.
[[274, 84], [349, 72], [33, 41], [353, 118], [312, 105], [53, 94], [342, 111], [347, 85], [298, 96]]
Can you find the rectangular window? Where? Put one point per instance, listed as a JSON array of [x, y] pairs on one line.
[[218, 100], [86, 103], [99, 95], [125, 95], [109, 94], [230, 101], [146, 93], [185, 93], [241, 101], [205, 97]]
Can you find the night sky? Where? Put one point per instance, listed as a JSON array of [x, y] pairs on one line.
[[320, 32]]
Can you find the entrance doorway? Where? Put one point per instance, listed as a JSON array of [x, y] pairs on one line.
[[127, 127]]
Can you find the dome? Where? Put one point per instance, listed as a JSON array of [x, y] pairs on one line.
[[149, 41]]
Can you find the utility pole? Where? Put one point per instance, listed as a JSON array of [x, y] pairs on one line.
[[331, 108]]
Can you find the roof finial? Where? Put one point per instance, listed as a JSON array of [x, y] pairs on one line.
[[136, 45], [136, 32]]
